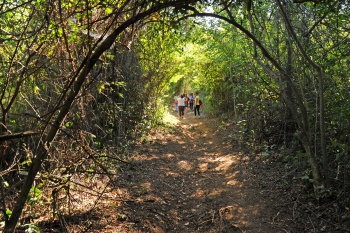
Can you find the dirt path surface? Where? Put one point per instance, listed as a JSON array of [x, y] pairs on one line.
[[189, 180], [196, 176]]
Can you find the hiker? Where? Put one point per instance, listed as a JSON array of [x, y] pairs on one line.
[[186, 100], [176, 102], [191, 101], [181, 103], [196, 105]]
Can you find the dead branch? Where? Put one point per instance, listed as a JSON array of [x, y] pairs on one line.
[[6, 137], [15, 161]]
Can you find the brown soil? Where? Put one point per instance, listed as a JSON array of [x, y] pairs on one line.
[[196, 177], [191, 180]]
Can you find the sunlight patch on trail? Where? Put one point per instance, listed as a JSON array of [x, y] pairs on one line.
[[170, 119], [185, 165]]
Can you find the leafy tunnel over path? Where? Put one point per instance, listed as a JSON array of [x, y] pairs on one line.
[[62, 82]]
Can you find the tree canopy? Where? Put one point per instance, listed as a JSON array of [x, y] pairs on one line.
[[80, 80]]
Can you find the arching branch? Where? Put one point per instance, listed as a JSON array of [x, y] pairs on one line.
[[42, 151]]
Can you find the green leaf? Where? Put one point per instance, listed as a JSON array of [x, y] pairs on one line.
[[8, 212], [108, 10]]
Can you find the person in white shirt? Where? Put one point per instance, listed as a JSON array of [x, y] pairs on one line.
[[181, 104]]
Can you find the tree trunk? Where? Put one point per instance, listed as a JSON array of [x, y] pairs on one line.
[[298, 108], [312, 159], [323, 131]]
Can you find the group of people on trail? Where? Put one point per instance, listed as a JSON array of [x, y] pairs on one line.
[[183, 101]]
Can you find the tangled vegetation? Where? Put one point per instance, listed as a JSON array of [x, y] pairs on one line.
[[81, 81]]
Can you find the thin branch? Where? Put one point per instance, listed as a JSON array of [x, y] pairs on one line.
[[6, 137], [318, 22], [11, 166]]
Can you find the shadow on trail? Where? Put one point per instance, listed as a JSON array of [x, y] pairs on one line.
[[185, 179], [190, 181]]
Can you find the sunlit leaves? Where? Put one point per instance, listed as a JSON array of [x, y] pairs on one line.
[[67, 4], [34, 195], [108, 10]]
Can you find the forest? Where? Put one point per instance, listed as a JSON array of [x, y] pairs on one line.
[[82, 82]]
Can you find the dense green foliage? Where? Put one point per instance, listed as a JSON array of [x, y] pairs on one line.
[[81, 79]]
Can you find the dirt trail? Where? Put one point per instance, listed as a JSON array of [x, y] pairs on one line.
[[190, 180]]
